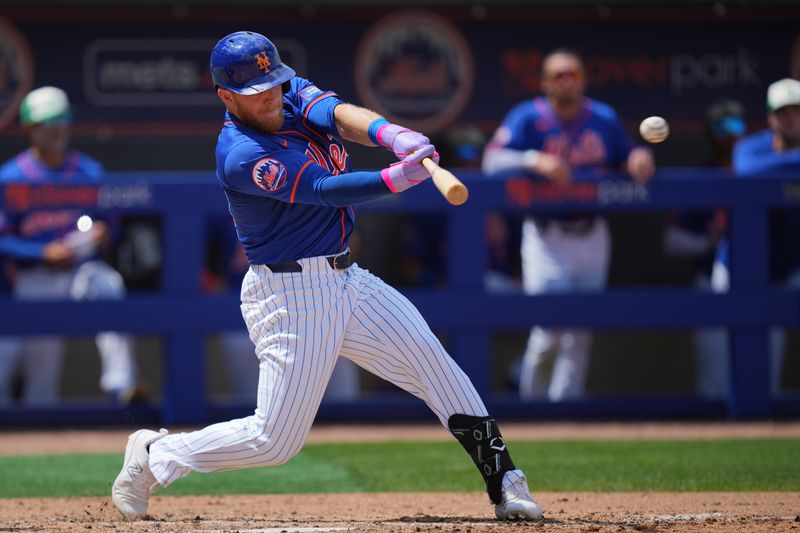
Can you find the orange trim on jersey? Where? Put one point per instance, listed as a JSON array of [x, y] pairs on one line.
[[315, 100], [297, 180], [300, 133], [304, 136], [308, 108], [312, 130]]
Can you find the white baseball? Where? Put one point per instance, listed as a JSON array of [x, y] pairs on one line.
[[654, 129]]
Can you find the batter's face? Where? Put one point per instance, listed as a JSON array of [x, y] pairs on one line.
[[786, 123], [262, 111], [563, 79]]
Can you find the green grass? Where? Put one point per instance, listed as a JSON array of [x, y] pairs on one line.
[[707, 465]]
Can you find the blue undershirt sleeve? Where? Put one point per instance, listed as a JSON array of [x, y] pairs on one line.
[[351, 189], [21, 249]]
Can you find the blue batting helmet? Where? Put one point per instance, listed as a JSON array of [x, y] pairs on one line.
[[247, 63]]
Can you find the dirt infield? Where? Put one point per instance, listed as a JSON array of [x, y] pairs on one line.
[[425, 512], [419, 512]]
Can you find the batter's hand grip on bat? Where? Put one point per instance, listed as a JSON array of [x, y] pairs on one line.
[[451, 188]]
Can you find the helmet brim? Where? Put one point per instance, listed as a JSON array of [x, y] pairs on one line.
[[275, 77]]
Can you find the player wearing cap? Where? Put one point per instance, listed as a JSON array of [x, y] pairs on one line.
[[55, 255], [291, 191], [771, 152]]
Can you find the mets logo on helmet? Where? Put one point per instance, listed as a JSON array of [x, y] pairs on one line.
[[269, 174]]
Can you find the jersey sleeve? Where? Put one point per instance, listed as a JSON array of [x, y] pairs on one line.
[[754, 154], [517, 130], [284, 175], [620, 141], [315, 105]]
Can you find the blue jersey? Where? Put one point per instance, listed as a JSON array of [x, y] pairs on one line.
[[25, 234], [594, 138], [78, 168], [755, 155], [272, 180]]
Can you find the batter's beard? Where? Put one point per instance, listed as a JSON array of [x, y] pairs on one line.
[[270, 125]]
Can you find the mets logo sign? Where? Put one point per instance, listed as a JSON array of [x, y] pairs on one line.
[[269, 174], [416, 69], [16, 71]]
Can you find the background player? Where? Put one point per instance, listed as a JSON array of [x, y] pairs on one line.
[[773, 150], [551, 136], [290, 190], [695, 235], [55, 258]]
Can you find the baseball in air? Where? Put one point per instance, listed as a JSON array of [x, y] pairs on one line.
[[654, 129]]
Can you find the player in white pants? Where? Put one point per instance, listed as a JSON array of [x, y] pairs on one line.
[[548, 138], [42, 356], [290, 189], [557, 260]]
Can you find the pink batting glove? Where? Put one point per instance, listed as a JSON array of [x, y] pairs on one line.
[[409, 172], [402, 141]]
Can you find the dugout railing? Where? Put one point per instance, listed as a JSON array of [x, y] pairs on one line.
[[183, 315]]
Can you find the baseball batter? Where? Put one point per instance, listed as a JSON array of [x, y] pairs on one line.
[[550, 136], [290, 190]]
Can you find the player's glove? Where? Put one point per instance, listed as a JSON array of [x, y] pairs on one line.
[[408, 172], [402, 141]]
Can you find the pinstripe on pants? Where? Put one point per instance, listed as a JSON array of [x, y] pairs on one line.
[[300, 323]]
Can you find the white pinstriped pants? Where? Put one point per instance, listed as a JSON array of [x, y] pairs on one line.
[[300, 323]]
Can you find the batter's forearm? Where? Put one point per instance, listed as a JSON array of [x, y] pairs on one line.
[[351, 189], [353, 123]]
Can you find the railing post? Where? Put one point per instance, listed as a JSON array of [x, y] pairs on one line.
[[466, 268], [184, 395], [749, 395]]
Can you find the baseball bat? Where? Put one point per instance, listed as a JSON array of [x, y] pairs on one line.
[[450, 186]]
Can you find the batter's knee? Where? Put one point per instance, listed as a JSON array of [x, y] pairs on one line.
[[274, 447]]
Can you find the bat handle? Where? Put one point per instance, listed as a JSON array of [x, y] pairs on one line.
[[451, 188]]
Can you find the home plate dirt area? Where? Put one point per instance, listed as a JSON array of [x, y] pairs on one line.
[[415, 512]]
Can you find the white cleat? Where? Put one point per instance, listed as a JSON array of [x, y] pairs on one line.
[[518, 504], [135, 483]]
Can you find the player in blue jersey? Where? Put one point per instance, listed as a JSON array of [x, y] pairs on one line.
[[550, 137], [55, 253], [287, 177], [774, 152]]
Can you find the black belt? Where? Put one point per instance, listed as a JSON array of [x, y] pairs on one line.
[[337, 262], [577, 226]]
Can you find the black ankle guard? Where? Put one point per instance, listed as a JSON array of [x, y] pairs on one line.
[[480, 436]]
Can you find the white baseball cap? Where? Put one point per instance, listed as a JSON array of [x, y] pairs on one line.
[[783, 93], [43, 105]]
